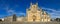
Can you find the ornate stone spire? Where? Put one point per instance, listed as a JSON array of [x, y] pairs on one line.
[[37, 3], [31, 3], [40, 9]]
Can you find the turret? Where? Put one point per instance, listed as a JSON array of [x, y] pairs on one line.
[[37, 4], [45, 14], [31, 3]]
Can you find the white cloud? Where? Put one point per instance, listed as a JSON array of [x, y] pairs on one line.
[[11, 12], [54, 13], [20, 13], [48, 9]]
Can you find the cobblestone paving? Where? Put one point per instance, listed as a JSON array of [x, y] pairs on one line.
[[29, 22]]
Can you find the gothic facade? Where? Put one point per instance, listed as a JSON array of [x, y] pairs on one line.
[[34, 13]]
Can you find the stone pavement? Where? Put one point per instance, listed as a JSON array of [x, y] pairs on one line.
[[29, 22]]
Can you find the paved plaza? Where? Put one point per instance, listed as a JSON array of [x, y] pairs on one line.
[[29, 22]]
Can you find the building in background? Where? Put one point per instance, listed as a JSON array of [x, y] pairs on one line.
[[8, 18], [14, 17]]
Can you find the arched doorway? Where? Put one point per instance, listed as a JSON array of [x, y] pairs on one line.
[[34, 17]]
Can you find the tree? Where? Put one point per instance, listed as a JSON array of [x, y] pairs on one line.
[[57, 19], [0, 19]]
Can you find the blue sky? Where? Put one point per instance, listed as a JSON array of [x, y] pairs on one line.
[[9, 7]]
